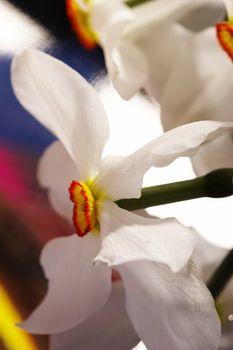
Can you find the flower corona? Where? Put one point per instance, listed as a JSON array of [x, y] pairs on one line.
[[225, 37], [79, 17], [84, 212]]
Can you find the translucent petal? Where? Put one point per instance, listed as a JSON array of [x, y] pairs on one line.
[[56, 171], [217, 153], [200, 83], [170, 311], [122, 177], [129, 237], [77, 287], [125, 62], [60, 99], [109, 328]]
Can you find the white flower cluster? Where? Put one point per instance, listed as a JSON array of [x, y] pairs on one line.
[[161, 47]]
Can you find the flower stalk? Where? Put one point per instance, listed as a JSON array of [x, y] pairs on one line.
[[133, 3], [221, 276], [215, 184]]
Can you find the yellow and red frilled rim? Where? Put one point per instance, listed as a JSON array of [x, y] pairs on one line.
[[225, 36], [84, 211], [80, 22]]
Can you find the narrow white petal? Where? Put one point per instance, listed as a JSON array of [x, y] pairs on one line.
[[60, 99], [129, 237], [170, 311], [77, 287], [109, 328], [215, 154], [184, 140], [123, 177], [56, 170]]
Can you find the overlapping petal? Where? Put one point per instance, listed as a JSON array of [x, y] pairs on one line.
[[56, 170], [129, 237], [170, 311], [221, 148], [63, 102], [204, 92], [155, 13], [77, 288], [109, 328], [125, 63], [123, 177], [205, 16], [122, 31]]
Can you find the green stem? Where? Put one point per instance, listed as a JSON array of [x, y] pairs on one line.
[[221, 276], [133, 3], [216, 184]]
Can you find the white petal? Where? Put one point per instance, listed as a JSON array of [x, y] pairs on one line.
[[56, 170], [126, 64], [129, 237], [229, 7], [207, 257], [110, 328], [120, 31], [164, 43], [123, 177], [155, 13], [185, 140], [215, 154], [162, 59], [77, 288], [132, 71], [170, 311], [60, 99], [201, 71], [206, 15]]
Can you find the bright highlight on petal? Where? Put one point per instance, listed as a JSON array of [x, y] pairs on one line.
[[12, 336], [84, 213], [80, 20], [225, 37]]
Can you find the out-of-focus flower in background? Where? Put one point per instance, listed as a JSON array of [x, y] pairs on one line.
[[167, 49]]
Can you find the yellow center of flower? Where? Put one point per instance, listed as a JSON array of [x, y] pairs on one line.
[[79, 17], [85, 211], [225, 36]]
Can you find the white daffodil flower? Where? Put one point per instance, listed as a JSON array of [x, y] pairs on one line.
[[170, 49], [150, 254]]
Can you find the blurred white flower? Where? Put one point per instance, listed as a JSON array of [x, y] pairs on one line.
[[151, 255], [170, 49]]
